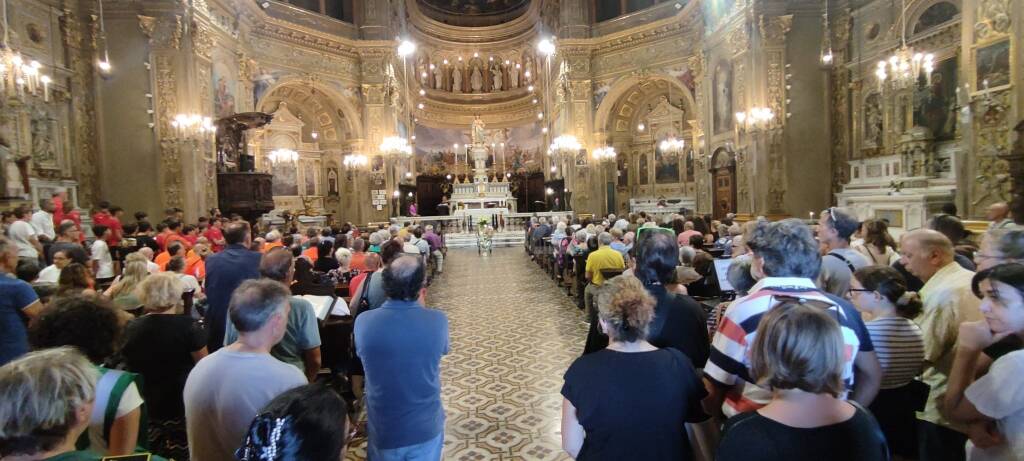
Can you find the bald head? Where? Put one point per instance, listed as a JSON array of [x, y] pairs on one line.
[[924, 251], [997, 211], [403, 278], [372, 261]]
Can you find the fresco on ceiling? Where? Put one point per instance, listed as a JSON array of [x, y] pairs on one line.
[[685, 76], [475, 7], [715, 11], [262, 81], [516, 149], [934, 104], [600, 91]]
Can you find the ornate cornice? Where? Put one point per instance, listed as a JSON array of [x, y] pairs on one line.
[[431, 31], [461, 114]]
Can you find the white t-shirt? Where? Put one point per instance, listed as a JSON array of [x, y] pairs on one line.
[[42, 222], [49, 274], [20, 232], [101, 253], [1000, 396], [130, 400], [191, 284], [152, 267]]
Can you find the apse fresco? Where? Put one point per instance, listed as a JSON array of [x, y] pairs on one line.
[[436, 149], [475, 7]]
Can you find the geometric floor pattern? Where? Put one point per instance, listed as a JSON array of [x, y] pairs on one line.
[[513, 334]]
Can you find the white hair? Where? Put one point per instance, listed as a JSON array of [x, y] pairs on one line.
[[273, 235], [343, 255]]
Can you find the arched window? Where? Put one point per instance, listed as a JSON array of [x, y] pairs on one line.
[[937, 14]]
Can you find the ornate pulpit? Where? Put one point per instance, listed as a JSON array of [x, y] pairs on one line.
[[240, 189]]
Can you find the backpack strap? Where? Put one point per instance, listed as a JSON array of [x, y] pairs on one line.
[[841, 258]]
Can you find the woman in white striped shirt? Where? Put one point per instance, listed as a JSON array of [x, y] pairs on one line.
[[881, 292]]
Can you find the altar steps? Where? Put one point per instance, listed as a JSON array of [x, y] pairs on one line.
[[500, 239]]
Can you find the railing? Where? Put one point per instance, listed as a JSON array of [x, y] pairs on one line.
[[469, 222]]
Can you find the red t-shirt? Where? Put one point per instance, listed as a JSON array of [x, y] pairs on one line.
[[106, 219], [213, 235]]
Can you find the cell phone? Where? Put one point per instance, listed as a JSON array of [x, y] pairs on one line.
[[131, 457]]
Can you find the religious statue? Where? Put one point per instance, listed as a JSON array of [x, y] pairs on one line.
[[476, 80], [438, 78], [478, 131], [496, 76], [421, 70], [513, 76], [42, 144], [528, 66], [457, 80]]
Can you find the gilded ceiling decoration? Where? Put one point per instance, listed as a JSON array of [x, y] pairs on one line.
[[473, 12]]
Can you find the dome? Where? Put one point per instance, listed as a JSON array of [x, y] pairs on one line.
[[473, 13]]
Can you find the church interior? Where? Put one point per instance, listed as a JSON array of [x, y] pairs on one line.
[[481, 116]]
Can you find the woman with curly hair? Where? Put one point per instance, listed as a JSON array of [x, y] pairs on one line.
[[656, 391], [93, 326]]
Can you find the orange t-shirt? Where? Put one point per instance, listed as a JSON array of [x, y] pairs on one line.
[[358, 261], [268, 246], [311, 253], [162, 259], [195, 266]]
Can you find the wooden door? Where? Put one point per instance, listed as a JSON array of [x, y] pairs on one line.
[[428, 194], [724, 192]]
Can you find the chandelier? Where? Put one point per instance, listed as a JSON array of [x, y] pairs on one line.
[[20, 77], [355, 161], [564, 145], [755, 118], [903, 68], [283, 155], [395, 145], [192, 126], [604, 154], [672, 146]]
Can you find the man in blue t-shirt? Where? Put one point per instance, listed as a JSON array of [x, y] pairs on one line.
[[225, 271], [17, 299], [405, 418]]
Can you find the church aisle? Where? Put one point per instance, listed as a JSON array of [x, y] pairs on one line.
[[513, 334]]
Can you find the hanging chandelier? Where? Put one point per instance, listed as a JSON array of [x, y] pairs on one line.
[[188, 126], [564, 145], [903, 68], [283, 156], [395, 145], [604, 154], [354, 161], [671, 145]]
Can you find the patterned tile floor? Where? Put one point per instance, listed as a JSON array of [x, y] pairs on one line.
[[513, 334]]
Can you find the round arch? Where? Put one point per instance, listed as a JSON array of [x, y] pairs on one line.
[[335, 100], [622, 87]]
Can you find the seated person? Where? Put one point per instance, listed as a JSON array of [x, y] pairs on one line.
[[51, 273], [46, 399], [311, 422]]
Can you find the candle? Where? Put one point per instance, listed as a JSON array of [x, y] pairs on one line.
[[812, 216], [46, 88]]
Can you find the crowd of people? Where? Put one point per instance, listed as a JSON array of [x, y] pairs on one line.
[[840, 343], [193, 341]]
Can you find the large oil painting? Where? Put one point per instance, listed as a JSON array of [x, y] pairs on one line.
[[722, 84], [442, 151], [666, 167], [993, 65], [934, 104], [643, 169], [285, 179], [225, 87]]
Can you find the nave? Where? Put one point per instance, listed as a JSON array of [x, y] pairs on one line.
[[513, 334]]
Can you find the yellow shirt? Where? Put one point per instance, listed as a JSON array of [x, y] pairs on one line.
[[948, 302], [603, 258]]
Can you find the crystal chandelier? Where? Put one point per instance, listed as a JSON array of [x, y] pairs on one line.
[[903, 68], [395, 145], [283, 155], [355, 161], [604, 154], [564, 145], [672, 145]]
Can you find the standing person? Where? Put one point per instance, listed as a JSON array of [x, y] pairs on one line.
[[24, 236], [17, 299], [948, 302], [435, 247], [1000, 247], [786, 255], [879, 247], [215, 235], [225, 271], [217, 409], [800, 355], [69, 241], [880, 292], [604, 258], [998, 216], [312, 424], [58, 198], [655, 390], [163, 346], [300, 345], [996, 398], [42, 221], [835, 226], [102, 261], [104, 217], [405, 417]]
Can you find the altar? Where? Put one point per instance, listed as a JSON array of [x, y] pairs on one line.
[[482, 198]]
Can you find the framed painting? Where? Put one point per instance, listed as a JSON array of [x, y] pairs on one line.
[[992, 66]]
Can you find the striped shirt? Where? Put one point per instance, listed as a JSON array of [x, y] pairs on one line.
[[729, 363], [900, 348]]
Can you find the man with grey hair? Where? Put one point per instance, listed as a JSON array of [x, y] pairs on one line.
[[948, 301], [835, 227], [786, 254], [998, 215], [300, 345], [604, 258], [226, 389], [405, 417], [1000, 246]]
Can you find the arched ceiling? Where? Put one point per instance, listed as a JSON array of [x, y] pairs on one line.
[[473, 13], [314, 108], [635, 104]]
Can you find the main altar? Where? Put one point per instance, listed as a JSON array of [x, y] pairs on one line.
[[483, 198]]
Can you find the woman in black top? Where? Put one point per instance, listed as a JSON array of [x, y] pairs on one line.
[[631, 400], [163, 347], [798, 353], [325, 261]]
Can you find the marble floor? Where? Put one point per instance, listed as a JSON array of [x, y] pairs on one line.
[[513, 334]]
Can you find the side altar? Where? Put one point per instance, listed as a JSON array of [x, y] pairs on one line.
[[482, 198]]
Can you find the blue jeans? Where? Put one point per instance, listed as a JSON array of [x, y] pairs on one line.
[[430, 450]]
